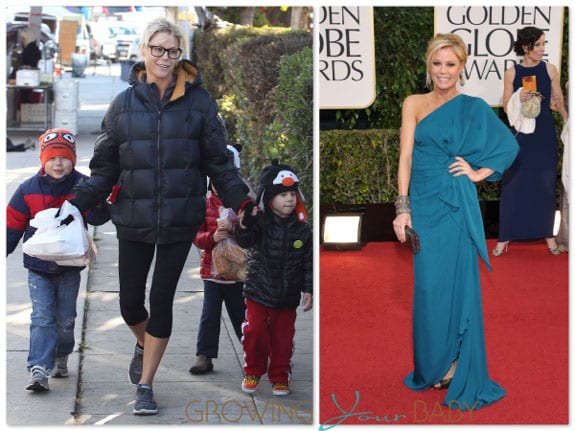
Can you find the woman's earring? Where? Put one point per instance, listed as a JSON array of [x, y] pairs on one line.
[[428, 81], [461, 79]]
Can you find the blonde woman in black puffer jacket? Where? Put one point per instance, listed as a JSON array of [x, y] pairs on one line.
[[160, 138]]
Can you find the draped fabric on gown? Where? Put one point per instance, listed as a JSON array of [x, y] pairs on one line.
[[447, 310], [528, 197]]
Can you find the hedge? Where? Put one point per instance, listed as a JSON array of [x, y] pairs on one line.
[[262, 79], [360, 167]]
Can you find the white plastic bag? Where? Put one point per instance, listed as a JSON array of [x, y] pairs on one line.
[[58, 238], [84, 260]]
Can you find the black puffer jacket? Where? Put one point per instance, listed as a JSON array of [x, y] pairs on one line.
[[280, 260], [159, 153]]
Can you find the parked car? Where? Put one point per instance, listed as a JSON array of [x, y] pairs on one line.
[[134, 50], [112, 40], [125, 37]]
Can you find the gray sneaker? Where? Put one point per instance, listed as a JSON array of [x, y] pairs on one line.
[[61, 367], [38, 379], [145, 404], [135, 371]]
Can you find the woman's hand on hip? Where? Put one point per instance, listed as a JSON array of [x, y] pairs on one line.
[[461, 167]]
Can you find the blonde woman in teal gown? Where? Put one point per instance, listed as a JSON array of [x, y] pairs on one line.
[[449, 141]]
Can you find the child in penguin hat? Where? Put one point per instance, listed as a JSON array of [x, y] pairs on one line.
[[279, 276], [279, 178]]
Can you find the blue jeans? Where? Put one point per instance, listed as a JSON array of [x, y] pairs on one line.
[[209, 332], [53, 316]]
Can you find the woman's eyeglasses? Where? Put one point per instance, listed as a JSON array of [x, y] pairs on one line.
[[158, 51]]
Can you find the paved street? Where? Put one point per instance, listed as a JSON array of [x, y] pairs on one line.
[[97, 391]]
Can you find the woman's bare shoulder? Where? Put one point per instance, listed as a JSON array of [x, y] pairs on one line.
[[551, 69], [414, 100], [510, 71]]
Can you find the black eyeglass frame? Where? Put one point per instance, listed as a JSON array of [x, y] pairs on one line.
[[164, 50]]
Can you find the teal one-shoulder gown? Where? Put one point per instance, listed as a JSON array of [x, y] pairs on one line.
[[447, 310]]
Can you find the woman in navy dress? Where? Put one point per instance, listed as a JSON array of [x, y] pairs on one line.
[[449, 141], [528, 196]]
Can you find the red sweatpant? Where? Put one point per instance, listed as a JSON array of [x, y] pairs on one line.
[[268, 333]]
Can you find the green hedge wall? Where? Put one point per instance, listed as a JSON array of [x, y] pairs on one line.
[[360, 167], [262, 79]]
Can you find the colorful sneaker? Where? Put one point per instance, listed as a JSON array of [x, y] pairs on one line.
[[145, 403], [135, 371], [280, 389], [250, 383], [38, 379], [61, 368]]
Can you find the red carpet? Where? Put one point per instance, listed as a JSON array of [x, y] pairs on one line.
[[366, 350]]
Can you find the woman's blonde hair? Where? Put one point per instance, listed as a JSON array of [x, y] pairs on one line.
[[162, 25], [445, 40]]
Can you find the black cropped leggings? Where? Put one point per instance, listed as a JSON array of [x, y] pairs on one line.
[[135, 259]]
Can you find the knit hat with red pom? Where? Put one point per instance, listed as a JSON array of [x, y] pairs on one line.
[[275, 179], [57, 142]]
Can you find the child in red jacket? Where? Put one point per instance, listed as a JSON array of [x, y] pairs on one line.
[[217, 290]]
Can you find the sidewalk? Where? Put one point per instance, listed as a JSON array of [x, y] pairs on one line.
[[98, 391]]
